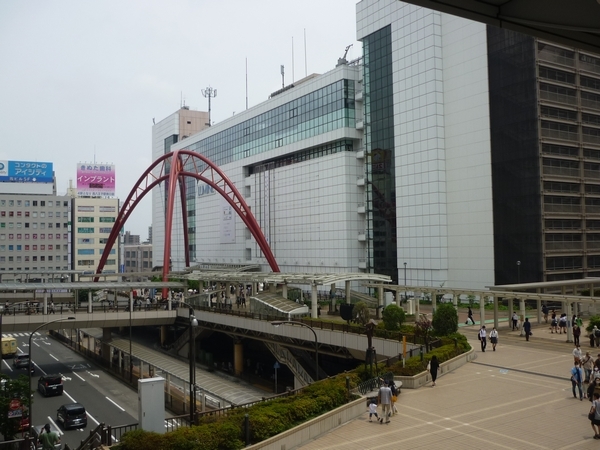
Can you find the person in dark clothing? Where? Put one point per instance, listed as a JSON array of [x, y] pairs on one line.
[[527, 328], [470, 317], [433, 368], [576, 334]]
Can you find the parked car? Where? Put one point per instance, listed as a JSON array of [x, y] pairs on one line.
[[36, 430], [50, 385], [72, 415], [21, 361]]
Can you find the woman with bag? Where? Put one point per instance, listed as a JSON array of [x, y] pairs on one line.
[[594, 415], [432, 367]]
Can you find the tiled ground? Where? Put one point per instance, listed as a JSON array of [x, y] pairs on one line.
[[518, 397]]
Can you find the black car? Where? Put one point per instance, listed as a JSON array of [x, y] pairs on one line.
[[21, 361], [72, 415], [50, 385]]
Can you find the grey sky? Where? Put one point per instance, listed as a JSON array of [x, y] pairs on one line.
[[84, 78]]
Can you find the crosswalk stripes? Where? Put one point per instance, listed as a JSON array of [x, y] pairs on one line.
[[37, 333]]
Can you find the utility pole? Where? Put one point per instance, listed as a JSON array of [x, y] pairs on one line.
[[209, 93]]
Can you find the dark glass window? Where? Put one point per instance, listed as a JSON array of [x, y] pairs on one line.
[[591, 83], [557, 75], [556, 113]]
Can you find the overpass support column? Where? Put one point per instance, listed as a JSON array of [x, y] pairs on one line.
[[89, 301], [496, 320], [314, 313], [379, 302], [163, 334], [283, 290], [347, 289], [522, 309], [45, 308], [569, 324], [332, 302], [510, 312], [105, 345], [238, 357], [455, 301], [482, 310], [433, 302], [539, 310]]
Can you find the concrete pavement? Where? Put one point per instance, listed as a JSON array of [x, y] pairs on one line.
[[518, 397]]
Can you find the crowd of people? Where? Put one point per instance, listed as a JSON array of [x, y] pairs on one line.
[[585, 378]]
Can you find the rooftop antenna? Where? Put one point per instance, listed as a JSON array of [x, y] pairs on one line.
[[293, 74], [305, 67], [282, 76], [209, 93], [246, 83]]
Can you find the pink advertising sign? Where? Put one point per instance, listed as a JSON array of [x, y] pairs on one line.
[[95, 180]]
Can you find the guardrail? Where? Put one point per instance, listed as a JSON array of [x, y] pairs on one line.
[[374, 383]]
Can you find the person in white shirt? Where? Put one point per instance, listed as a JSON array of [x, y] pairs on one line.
[[577, 354], [494, 338], [515, 321], [482, 338]]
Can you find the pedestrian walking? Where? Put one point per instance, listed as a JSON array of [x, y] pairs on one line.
[[433, 367], [515, 321], [470, 317], [51, 307], [594, 415], [373, 410], [482, 338], [395, 393], [385, 400], [577, 380], [494, 338], [588, 366], [577, 354], [576, 333], [527, 328], [553, 322], [545, 313], [596, 333], [562, 323]]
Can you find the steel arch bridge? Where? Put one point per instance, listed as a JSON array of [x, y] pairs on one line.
[[171, 169]]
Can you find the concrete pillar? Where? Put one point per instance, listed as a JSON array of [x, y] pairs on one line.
[[539, 310], [89, 302], [455, 300], [332, 297], [496, 319], [105, 345], [433, 302], [347, 289], [141, 374], [238, 357], [45, 308], [482, 310], [510, 312], [272, 288], [131, 301], [313, 302], [379, 302], [397, 298], [569, 324], [283, 290], [522, 308]]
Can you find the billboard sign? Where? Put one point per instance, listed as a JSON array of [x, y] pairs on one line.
[[26, 172], [95, 180]]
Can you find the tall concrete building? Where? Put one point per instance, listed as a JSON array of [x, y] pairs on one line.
[[452, 154]]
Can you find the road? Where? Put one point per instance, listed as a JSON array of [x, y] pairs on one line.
[[105, 399]]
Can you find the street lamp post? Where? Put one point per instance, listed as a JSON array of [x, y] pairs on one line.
[[31, 362], [192, 325], [276, 323], [518, 272], [405, 293]]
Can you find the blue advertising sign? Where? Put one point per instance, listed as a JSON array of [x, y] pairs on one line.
[[26, 171]]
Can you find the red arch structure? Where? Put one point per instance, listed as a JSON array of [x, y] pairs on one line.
[[171, 168]]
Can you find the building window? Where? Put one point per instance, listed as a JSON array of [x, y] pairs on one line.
[[86, 219]]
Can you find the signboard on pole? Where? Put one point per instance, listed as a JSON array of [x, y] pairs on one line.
[[26, 172]]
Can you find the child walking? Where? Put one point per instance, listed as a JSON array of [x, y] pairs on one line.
[[373, 410]]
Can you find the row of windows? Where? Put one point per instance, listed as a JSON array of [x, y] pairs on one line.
[[34, 268], [43, 203], [34, 214], [91, 262], [27, 236], [145, 264], [90, 251], [91, 219], [88, 230], [33, 258], [27, 247], [145, 254], [34, 225], [566, 114], [31, 214], [88, 208]]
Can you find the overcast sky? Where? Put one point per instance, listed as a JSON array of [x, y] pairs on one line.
[[83, 80]]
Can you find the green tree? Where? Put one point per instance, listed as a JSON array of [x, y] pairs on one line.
[[393, 317], [12, 390], [445, 319], [361, 312]]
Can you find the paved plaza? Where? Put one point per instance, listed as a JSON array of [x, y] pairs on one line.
[[518, 397]]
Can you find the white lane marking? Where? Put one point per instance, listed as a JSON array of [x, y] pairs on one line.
[[71, 398], [60, 432], [122, 409], [93, 374], [77, 375], [7, 365], [53, 356], [92, 417]]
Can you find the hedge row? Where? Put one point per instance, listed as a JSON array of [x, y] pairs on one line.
[[266, 419]]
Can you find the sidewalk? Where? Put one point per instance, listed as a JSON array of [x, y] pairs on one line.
[[518, 397]]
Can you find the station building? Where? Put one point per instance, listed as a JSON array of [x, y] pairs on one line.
[[452, 154]]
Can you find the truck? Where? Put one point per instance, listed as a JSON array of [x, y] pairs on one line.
[[9, 347]]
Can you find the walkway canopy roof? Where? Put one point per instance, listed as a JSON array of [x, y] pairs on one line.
[[24, 287], [278, 303], [574, 23]]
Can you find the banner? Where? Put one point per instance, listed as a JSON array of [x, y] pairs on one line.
[[26, 172], [95, 180]]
